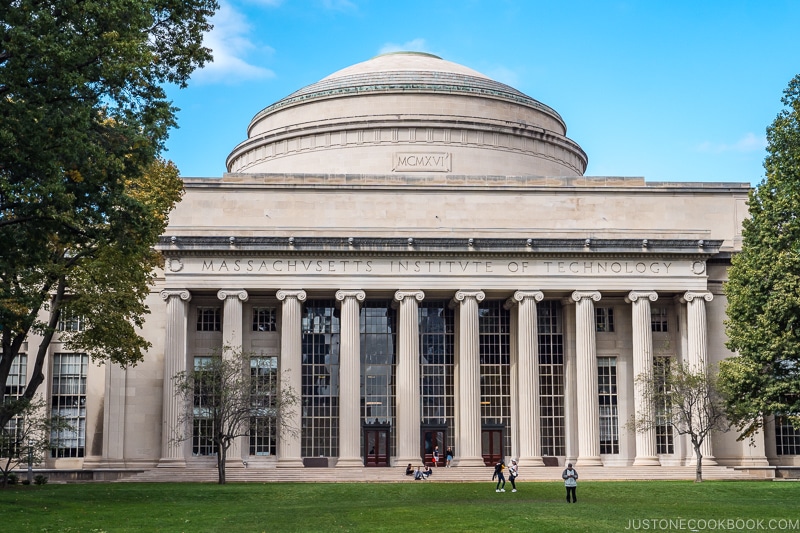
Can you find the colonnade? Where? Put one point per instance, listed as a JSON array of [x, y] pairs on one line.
[[525, 438]]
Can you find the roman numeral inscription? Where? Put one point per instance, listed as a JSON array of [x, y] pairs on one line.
[[421, 162]]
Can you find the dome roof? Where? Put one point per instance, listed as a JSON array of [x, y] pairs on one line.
[[367, 117]]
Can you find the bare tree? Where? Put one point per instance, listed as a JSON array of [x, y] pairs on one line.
[[688, 400], [28, 437], [224, 394]]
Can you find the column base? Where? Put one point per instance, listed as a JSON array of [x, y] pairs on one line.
[[708, 460], [589, 461], [290, 462], [469, 461], [168, 462], [646, 460], [404, 461], [234, 463], [350, 462], [533, 461]]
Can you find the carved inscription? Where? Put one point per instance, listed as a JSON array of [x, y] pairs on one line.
[[421, 162]]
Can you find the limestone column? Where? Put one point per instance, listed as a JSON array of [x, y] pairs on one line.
[[172, 454], [570, 381], [350, 380], [469, 429], [232, 344], [289, 453], [408, 385], [530, 442], [697, 347], [643, 366], [586, 373]]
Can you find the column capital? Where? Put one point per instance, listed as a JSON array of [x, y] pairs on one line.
[[520, 296], [183, 294], [577, 296], [300, 294], [402, 295], [359, 295], [688, 296], [462, 295], [634, 296], [224, 294]]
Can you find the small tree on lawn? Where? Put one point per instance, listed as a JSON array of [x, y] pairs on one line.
[[224, 393], [26, 439], [686, 399]]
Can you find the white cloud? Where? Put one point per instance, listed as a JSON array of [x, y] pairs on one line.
[[415, 45], [230, 46], [749, 143]]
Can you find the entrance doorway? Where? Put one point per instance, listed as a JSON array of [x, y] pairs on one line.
[[376, 446], [431, 438], [492, 445]]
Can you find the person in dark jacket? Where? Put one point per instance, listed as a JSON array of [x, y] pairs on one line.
[[501, 478]]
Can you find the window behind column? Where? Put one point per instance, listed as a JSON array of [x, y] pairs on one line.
[[208, 318], [607, 401], [494, 323], [551, 377], [377, 324], [320, 394], [68, 401], [664, 435], [264, 319], [264, 424], [659, 319], [787, 438], [202, 419], [604, 319], [436, 350]]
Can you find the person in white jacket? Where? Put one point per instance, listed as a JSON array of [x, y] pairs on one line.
[[513, 472], [570, 477]]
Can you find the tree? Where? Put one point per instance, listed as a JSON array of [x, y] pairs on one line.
[[685, 399], [84, 194], [224, 394], [763, 287], [27, 440]]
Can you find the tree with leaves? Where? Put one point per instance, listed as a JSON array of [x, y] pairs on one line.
[[763, 287], [686, 399], [224, 394], [84, 193]]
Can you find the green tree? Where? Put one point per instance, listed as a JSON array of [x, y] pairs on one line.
[[763, 288], [686, 399], [224, 393], [84, 193]]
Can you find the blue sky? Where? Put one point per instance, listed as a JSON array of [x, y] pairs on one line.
[[668, 90]]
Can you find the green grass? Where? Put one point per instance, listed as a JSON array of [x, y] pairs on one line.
[[408, 506]]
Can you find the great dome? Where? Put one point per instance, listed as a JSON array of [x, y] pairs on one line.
[[408, 112]]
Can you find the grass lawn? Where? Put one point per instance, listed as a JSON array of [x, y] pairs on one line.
[[409, 506]]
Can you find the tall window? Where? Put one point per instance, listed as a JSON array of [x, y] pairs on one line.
[[494, 322], [264, 319], [69, 321], [604, 319], [658, 319], [202, 420], [551, 378], [264, 424], [436, 349], [15, 387], [787, 438], [208, 319], [68, 401], [320, 419], [378, 342], [664, 435], [607, 400]]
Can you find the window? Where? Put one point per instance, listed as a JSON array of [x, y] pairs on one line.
[[264, 319], [264, 425], [208, 319], [320, 390], [202, 419], [658, 319], [15, 386], [604, 319], [551, 378], [378, 321], [607, 400], [69, 321], [787, 438], [494, 324], [436, 353], [69, 402], [664, 437]]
